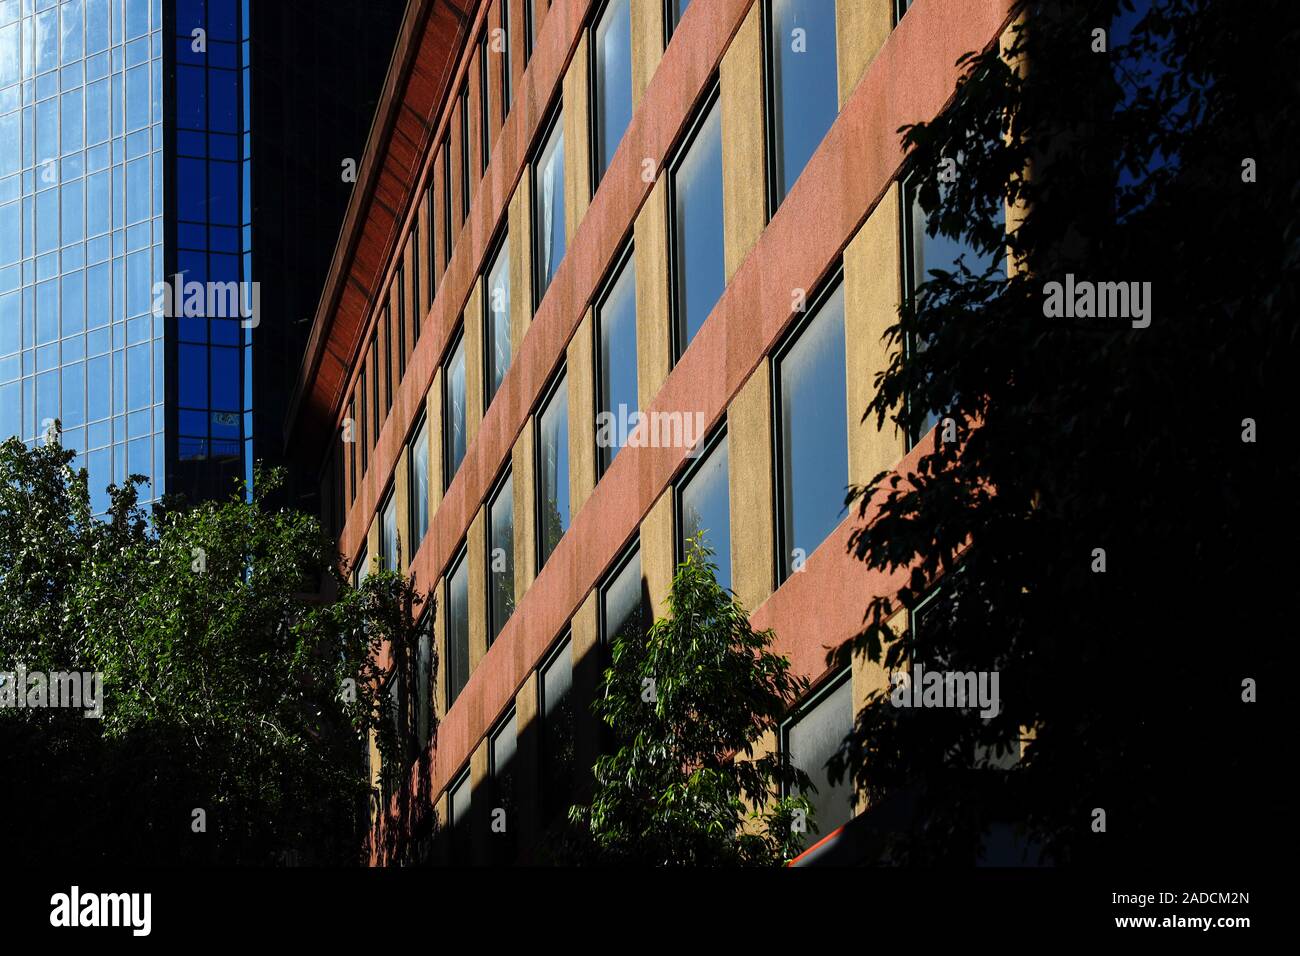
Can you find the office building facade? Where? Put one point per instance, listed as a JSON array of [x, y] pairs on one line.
[[576, 218]]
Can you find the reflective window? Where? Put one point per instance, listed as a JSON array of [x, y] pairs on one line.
[[552, 471], [457, 629], [704, 508], [424, 683], [812, 428], [612, 52], [555, 688], [804, 85], [453, 411], [548, 210], [695, 205], [389, 543], [504, 745], [496, 319], [459, 822], [810, 742], [925, 254], [507, 88], [501, 557], [464, 152], [623, 606], [418, 485], [616, 372]]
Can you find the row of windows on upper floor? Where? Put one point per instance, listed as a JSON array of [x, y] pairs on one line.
[[802, 83]]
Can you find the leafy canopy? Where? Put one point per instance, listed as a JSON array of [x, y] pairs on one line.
[[229, 686], [688, 704]]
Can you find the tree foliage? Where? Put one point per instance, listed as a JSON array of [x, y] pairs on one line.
[[688, 704], [1079, 434], [230, 687]]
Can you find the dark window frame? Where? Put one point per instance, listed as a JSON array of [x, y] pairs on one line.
[[548, 128], [387, 499], [507, 475], [561, 375], [460, 559], [463, 100], [421, 424], [484, 104], [817, 695], [833, 280], [448, 240], [561, 644], [707, 448], [500, 242], [676, 318], [507, 60], [630, 551], [621, 260], [448, 473]]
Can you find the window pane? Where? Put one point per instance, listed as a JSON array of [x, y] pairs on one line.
[[553, 472], [810, 743], [814, 433], [419, 486], [423, 686], [805, 90], [613, 41], [457, 630], [616, 326], [507, 89], [497, 320], [697, 228], [505, 744], [548, 209], [464, 152], [388, 533], [926, 254], [461, 836], [454, 412], [558, 725], [501, 558], [623, 607], [706, 507]]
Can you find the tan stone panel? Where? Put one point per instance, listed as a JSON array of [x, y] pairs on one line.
[[657, 553], [860, 31], [473, 319], [525, 536], [867, 677], [744, 202], [872, 294], [581, 375], [653, 335], [749, 479], [647, 44], [521, 257], [577, 143], [476, 549]]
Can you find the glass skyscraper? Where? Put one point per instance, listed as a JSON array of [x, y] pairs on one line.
[[126, 171], [82, 229]]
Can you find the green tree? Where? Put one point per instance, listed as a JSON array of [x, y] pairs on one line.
[[687, 704], [1098, 531], [235, 699]]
